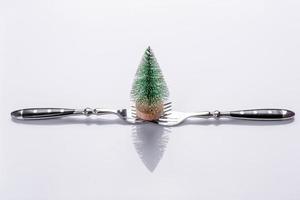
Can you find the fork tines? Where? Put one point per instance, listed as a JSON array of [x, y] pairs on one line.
[[167, 109]]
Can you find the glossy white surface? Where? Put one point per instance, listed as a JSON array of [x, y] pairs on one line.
[[224, 55]]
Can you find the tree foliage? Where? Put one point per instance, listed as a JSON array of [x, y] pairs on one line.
[[149, 87]]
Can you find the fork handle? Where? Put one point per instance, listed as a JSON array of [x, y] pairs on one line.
[[42, 113], [259, 114]]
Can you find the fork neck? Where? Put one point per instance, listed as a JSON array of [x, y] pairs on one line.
[[101, 111], [207, 114], [203, 114]]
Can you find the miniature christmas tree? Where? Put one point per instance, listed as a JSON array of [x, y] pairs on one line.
[[149, 90]]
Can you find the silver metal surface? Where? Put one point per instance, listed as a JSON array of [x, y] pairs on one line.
[[128, 115], [173, 118]]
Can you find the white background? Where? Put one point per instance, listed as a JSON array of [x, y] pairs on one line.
[[215, 54]]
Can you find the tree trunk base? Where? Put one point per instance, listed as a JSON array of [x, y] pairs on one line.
[[149, 113]]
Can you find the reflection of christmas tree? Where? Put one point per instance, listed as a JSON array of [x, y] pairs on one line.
[[149, 90], [150, 142]]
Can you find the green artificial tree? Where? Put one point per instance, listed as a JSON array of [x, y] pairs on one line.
[[149, 90]]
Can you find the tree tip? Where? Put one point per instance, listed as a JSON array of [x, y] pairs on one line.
[[149, 49]]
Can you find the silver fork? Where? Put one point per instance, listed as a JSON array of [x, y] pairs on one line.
[[173, 118], [128, 115]]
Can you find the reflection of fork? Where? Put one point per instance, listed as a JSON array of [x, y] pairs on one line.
[[173, 118], [128, 115]]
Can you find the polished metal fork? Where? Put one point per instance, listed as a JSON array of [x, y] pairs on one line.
[[173, 118], [128, 115]]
